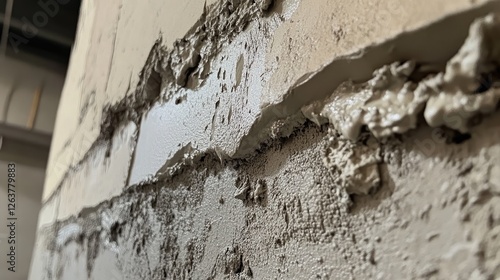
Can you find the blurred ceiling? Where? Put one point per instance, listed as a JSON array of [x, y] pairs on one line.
[[55, 22], [44, 31]]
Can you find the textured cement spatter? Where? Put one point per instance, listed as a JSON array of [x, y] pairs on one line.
[[357, 170], [284, 214], [393, 101]]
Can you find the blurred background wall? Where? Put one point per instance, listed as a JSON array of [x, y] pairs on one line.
[[35, 46]]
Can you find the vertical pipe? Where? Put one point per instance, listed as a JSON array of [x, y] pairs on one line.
[[34, 107]]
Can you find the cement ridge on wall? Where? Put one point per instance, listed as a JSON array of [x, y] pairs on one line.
[[432, 48]]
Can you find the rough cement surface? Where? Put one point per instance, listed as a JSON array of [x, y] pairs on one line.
[[393, 101], [411, 195], [433, 217], [115, 50]]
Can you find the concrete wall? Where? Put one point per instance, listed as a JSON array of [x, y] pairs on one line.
[[223, 139]]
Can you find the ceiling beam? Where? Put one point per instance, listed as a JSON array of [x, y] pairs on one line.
[[28, 136], [24, 147]]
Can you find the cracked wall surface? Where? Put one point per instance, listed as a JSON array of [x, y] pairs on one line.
[[276, 140]]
